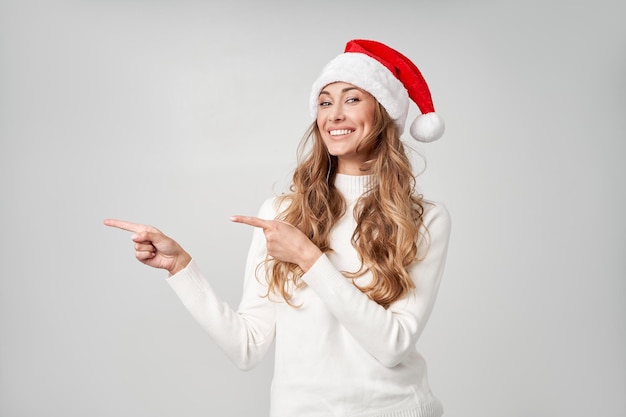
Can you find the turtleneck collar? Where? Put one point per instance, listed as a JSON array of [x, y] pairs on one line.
[[353, 186]]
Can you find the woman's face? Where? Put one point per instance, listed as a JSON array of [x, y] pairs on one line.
[[345, 117]]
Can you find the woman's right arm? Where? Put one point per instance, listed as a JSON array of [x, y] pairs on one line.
[[245, 334]]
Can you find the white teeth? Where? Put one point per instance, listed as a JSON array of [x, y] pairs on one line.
[[340, 132]]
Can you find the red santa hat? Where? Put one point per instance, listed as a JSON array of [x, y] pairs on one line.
[[391, 78]]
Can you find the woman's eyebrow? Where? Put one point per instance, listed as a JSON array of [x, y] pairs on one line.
[[343, 90]]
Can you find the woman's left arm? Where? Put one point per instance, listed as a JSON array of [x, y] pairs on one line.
[[387, 334]]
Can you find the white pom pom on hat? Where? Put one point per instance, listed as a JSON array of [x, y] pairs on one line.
[[391, 78]]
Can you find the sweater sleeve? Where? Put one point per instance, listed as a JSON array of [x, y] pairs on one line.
[[247, 333], [388, 334]]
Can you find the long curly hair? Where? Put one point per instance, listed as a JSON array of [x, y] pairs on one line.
[[388, 215]]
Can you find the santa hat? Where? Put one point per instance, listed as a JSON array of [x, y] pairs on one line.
[[391, 78]]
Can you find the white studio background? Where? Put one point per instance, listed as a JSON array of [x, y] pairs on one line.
[[180, 114]]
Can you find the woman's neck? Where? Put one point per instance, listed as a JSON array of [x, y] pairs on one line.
[[357, 166], [353, 186]]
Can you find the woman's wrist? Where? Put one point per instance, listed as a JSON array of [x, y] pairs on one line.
[[180, 263], [309, 258]]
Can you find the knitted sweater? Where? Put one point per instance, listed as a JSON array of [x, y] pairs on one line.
[[339, 353]]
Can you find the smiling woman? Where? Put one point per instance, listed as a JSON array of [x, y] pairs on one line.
[[344, 270]]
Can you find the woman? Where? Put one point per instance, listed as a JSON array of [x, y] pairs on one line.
[[343, 271]]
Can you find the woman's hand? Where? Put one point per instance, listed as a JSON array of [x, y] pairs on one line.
[[284, 241], [153, 248]]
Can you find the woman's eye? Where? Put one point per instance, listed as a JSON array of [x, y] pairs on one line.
[[352, 100], [324, 103]]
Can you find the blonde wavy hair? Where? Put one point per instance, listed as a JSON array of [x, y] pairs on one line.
[[388, 215]]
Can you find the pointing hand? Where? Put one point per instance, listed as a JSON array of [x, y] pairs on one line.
[[285, 242], [152, 247]]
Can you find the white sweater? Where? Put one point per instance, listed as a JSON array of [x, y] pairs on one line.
[[340, 353]]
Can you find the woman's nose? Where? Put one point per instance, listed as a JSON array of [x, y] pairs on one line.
[[336, 113]]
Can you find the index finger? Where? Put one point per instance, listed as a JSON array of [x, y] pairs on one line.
[[252, 221], [124, 225]]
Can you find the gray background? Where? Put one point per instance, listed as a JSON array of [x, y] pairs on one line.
[[180, 114]]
